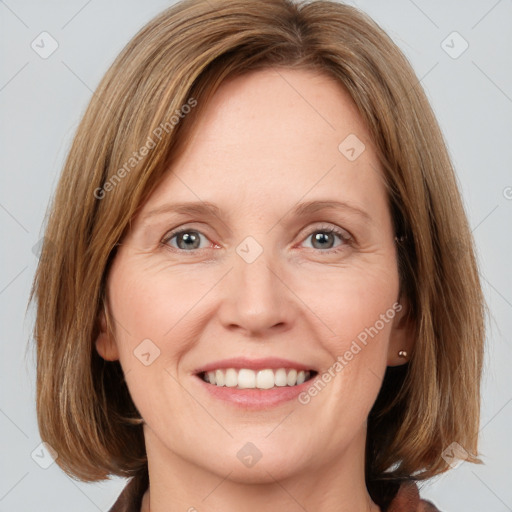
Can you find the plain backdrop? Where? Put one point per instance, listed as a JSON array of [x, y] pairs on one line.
[[461, 52]]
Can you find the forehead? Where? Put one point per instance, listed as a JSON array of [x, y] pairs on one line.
[[275, 135], [275, 110]]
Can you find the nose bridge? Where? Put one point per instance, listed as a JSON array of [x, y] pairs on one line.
[[257, 298]]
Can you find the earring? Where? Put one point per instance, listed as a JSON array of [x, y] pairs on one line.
[[402, 353]]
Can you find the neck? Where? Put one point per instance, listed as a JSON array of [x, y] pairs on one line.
[[337, 485]]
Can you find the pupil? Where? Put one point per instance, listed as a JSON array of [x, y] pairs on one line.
[[190, 240], [322, 237]]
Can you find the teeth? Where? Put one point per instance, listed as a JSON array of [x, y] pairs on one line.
[[219, 377], [292, 378], [246, 379], [231, 379], [280, 377], [265, 379], [261, 379]]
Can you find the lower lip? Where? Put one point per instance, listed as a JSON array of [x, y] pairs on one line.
[[256, 398]]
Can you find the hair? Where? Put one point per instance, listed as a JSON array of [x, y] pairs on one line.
[[180, 58]]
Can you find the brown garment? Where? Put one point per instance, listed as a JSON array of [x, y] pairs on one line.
[[407, 499]]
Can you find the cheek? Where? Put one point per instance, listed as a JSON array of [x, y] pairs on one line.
[[349, 301], [170, 306], [357, 307], [152, 314], [152, 304]]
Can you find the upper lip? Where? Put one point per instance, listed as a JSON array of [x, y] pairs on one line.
[[273, 363]]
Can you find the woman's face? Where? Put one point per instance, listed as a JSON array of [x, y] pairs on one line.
[[284, 261]]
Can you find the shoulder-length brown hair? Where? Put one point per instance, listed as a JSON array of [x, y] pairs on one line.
[[133, 128]]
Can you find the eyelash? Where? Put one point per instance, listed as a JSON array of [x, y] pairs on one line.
[[328, 229]]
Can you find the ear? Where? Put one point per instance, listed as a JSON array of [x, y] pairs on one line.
[[106, 345], [401, 339]]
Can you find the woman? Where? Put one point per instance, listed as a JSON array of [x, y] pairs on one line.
[[193, 333]]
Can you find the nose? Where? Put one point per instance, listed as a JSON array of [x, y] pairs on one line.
[[256, 300]]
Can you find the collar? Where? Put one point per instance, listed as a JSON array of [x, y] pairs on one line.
[[407, 498]]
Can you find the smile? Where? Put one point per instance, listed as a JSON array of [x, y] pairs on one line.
[[255, 383], [245, 378]]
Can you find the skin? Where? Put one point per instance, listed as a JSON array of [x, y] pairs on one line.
[[265, 142]]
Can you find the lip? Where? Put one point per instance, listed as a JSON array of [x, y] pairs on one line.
[[255, 399], [273, 363]]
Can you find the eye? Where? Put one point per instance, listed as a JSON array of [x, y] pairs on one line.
[[324, 238], [184, 239]]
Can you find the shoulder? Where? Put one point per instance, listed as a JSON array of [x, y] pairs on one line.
[[407, 499]]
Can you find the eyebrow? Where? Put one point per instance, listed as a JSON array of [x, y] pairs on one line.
[[192, 208], [300, 210], [307, 208]]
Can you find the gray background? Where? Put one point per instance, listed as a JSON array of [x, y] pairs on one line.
[[41, 102]]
